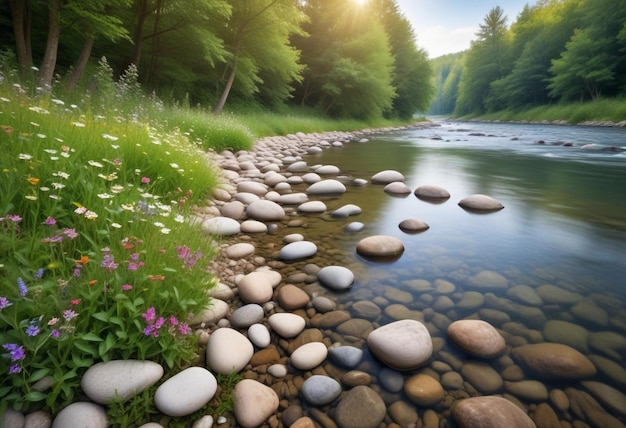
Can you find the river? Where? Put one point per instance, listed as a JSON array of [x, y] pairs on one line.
[[562, 234]]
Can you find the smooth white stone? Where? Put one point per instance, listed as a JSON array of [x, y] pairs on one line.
[[286, 325], [265, 210], [297, 250], [278, 370], [239, 250], [186, 392], [110, 381], [309, 355], [259, 335], [221, 226], [403, 345], [325, 187], [347, 210], [387, 176], [228, 351], [253, 403], [312, 207], [253, 226], [336, 277], [81, 414]]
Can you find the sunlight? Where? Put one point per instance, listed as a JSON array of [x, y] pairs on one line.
[[360, 2]]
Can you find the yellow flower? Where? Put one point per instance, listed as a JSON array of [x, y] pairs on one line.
[[33, 180]]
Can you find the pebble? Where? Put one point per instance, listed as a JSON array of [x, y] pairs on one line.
[[336, 277], [326, 187], [482, 376], [360, 407], [397, 188], [110, 381], [525, 295], [309, 355], [403, 345], [490, 412], [355, 226], [254, 403], [253, 226], [258, 286], [423, 390], [265, 210], [412, 225], [391, 380], [259, 335], [346, 356], [380, 246], [323, 304], [477, 337], [355, 378], [222, 226], [480, 203], [247, 315], [291, 297], [527, 390], [554, 361], [297, 250], [81, 414], [347, 210], [488, 281], [228, 351], [320, 390], [287, 325], [186, 392], [312, 207], [428, 192], [614, 400], [217, 310], [278, 370], [387, 176], [403, 413], [239, 251]]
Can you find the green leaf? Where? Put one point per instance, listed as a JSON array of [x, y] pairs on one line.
[[121, 334], [168, 269], [34, 396], [38, 375], [116, 321], [102, 316], [121, 297], [90, 337], [86, 348]]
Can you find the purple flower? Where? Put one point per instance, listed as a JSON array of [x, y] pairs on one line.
[[183, 328], [77, 269], [108, 261], [55, 333], [4, 303], [16, 351], [69, 315], [14, 218], [127, 287], [15, 368], [50, 221], [32, 330], [151, 330], [70, 233], [149, 315], [39, 273], [22, 287]]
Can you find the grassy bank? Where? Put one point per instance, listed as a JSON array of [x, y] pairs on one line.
[[99, 256], [601, 110]]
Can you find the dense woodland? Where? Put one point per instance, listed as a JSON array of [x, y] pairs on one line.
[[345, 58], [555, 51]]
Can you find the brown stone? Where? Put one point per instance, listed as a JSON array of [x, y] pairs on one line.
[[554, 361], [490, 412], [291, 297], [477, 337], [423, 390]]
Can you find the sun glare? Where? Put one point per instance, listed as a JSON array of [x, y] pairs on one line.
[[360, 2]]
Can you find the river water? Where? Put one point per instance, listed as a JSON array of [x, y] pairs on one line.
[[562, 233]]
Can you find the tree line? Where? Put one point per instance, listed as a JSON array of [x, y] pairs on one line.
[[343, 58], [555, 51]]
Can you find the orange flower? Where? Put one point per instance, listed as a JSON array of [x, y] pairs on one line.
[[93, 282], [156, 277], [33, 180], [83, 260]]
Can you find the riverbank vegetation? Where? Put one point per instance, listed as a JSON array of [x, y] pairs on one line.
[[560, 59]]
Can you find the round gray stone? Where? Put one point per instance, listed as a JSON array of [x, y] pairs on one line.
[[336, 277], [297, 250], [320, 390], [223, 226], [265, 210], [247, 315], [480, 203], [346, 356], [326, 187]]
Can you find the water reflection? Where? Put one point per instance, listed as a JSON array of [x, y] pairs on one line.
[[563, 228]]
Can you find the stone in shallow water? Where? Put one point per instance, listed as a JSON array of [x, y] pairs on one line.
[[256, 287], [567, 333], [525, 295], [387, 176], [253, 226], [239, 250], [81, 414], [477, 337], [380, 246], [312, 207], [431, 192], [423, 390], [397, 188], [488, 280], [346, 356], [554, 361], [403, 345], [346, 210], [297, 250], [412, 225], [320, 390], [482, 377], [291, 297], [361, 407], [391, 380], [613, 399], [552, 294], [286, 325], [185, 392], [490, 412], [480, 203], [326, 187], [336, 277], [353, 227], [253, 403], [309, 355], [106, 382]]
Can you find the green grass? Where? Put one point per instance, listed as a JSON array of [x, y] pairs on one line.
[[600, 110]]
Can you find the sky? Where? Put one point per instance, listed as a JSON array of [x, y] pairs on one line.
[[447, 26]]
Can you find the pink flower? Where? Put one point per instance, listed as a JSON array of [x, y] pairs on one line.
[[127, 287], [50, 221], [145, 180]]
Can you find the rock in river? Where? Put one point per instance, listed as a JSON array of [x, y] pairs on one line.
[[477, 337], [297, 250], [490, 412], [336, 277], [403, 345], [554, 361], [480, 203], [380, 246]]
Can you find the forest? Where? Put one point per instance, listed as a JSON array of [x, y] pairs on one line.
[[556, 51], [345, 59]]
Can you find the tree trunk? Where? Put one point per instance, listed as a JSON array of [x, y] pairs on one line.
[[141, 13], [81, 64], [54, 32], [229, 84], [20, 16]]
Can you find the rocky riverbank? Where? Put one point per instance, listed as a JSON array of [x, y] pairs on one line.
[[314, 351]]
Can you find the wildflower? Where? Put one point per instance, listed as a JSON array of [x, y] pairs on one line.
[[22, 287], [74, 302], [145, 180], [4, 303], [32, 330], [156, 277], [179, 219], [79, 124], [53, 321], [159, 224], [116, 161], [116, 225], [69, 315], [57, 186], [38, 110], [93, 282], [77, 271], [127, 287], [149, 315], [70, 233], [16, 353], [83, 260], [183, 328], [24, 156], [55, 333], [50, 221], [174, 165], [110, 137], [31, 197], [94, 163], [42, 136], [105, 195], [128, 207], [173, 320], [14, 369], [108, 261], [61, 174], [33, 180], [58, 102], [39, 273], [117, 188], [14, 218], [90, 215], [80, 210]]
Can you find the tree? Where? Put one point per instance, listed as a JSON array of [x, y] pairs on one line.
[[46, 71], [21, 19], [257, 38], [485, 63]]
